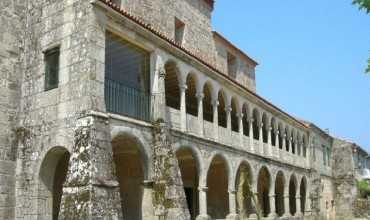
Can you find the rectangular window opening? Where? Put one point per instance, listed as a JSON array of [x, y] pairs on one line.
[[51, 58], [179, 31], [231, 64]]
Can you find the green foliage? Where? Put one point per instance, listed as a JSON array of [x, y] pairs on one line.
[[368, 66], [363, 4], [363, 188]]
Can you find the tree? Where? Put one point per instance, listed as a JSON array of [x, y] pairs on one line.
[[363, 188], [364, 5]]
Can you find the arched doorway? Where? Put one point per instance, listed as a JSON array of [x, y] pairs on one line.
[[279, 193], [217, 182], [129, 167], [263, 186], [189, 175], [52, 175], [303, 192], [244, 191], [292, 195]]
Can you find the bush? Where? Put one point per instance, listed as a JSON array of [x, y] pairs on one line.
[[363, 188]]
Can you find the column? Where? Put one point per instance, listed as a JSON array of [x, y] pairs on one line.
[[215, 119], [260, 133], [272, 205], [232, 206], [286, 203], [183, 107], [203, 204], [228, 117], [241, 129], [277, 143], [290, 145], [284, 141], [147, 208], [251, 138], [269, 146], [200, 97], [298, 204]]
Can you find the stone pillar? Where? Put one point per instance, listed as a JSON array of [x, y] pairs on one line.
[[251, 138], [159, 95], [241, 129], [215, 119], [284, 142], [286, 204], [269, 141], [232, 206], [260, 139], [290, 145], [228, 117], [90, 184], [183, 107], [200, 97], [298, 205], [147, 208], [272, 206], [203, 204]]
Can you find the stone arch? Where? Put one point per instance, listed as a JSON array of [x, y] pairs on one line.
[[234, 114], [131, 162], [190, 169], [208, 91], [273, 131], [281, 135], [287, 138], [263, 190], [279, 193], [265, 127], [52, 175], [172, 84], [244, 189], [292, 194], [294, 142], [303, 194], [304, 146], [217, 183], [222, 105], [191, 94], [246, 117], [256, 123]]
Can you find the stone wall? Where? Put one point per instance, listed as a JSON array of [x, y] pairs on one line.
[[11, 47], [361, 208]]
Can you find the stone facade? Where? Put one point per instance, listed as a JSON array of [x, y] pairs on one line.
[[211, 148]]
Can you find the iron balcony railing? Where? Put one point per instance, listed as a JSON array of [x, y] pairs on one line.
[[124, 100]]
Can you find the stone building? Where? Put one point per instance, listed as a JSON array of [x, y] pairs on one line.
[[136, 109]]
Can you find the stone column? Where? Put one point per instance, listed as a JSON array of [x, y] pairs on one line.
[[277, 143], [228, 117], [183, 107], [215, 119], [147, 208], [284, 142], [269, 141], [241, 129], [200, 97], [298, 205], [232, 206], [203, 204], [251, 138], [272, 206], [290, 145], [286, 204], [159, 96], [260, 139]]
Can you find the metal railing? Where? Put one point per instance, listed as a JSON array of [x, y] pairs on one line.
[[124, 100]]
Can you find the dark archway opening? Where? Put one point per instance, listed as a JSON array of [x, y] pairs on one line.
[[279, 194], [263, 186], [191, 96], [292, 195], [172, 86]]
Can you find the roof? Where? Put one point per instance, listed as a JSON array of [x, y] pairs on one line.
[[218, 35], [150, 28]]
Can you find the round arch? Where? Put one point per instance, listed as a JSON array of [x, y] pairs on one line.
[[246, 117], [279, 193], [303, 194], [256, 123], [265, 127], [234, 114], [191, 94], [263, 190], [244, 190], [222, 104], [207, 101], [292, 194], [172, 82]]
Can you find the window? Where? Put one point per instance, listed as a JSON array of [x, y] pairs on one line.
[[179, 31], [51, 58], [231, 65]]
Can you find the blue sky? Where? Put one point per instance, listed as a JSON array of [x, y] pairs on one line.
[[312, 57]]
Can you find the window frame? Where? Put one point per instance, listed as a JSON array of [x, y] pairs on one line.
[[55, 51]]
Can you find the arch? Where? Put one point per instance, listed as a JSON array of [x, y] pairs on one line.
[[52, 175], [303, 193], [246, 117], [207, 102], [131, 170], [292, 194], [222, 104], [191, 94], [304, 146], [299, 144], [190, 170], [273, 131], [294, 142], [263, 190], [281, 136], [256, 124], [243, 186], [172, 83], [287, 138], [265, 127], [279, 193], [217, 182], [234, 114]]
